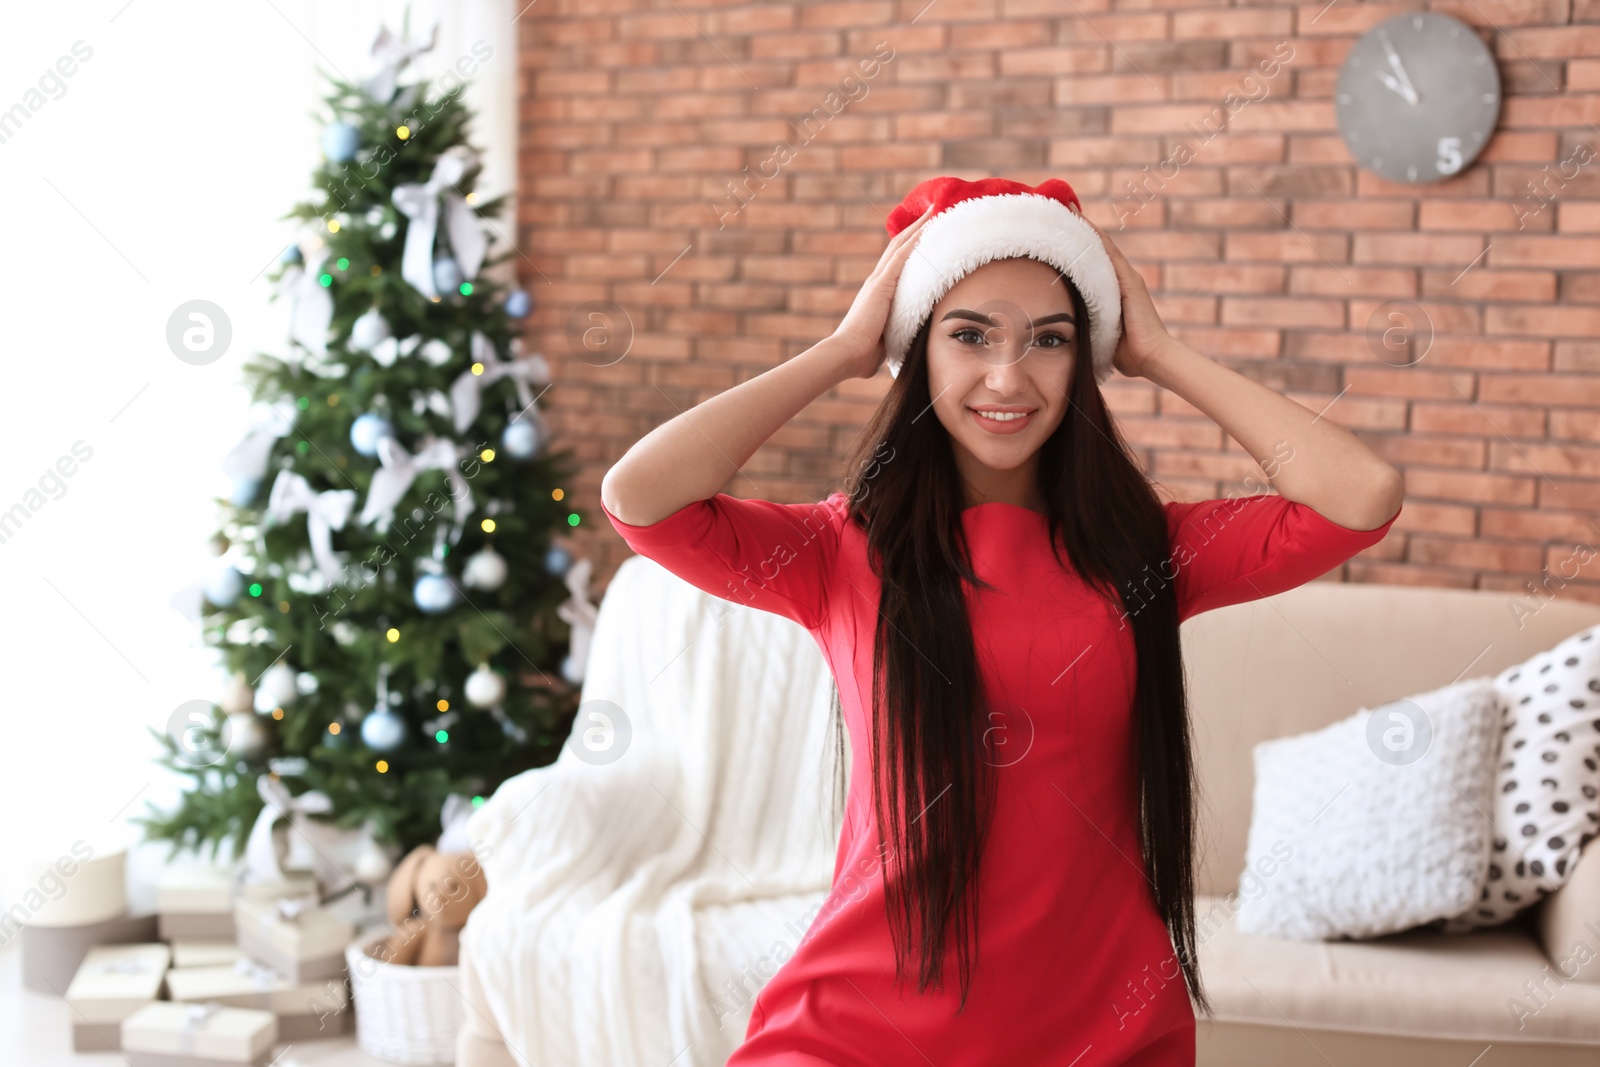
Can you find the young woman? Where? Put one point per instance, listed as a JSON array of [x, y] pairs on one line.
[[997, 590]]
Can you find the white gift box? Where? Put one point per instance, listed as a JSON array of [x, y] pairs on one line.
[[205, 954], [197, 903], [204, 889], [249, 984], [294, 936], [112, 983], [197, 1035], [51, 954], [304, 1009]]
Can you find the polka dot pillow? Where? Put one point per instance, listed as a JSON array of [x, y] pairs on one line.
[[1547, 791]]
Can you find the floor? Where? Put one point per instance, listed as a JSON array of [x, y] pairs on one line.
[[36, 1031]]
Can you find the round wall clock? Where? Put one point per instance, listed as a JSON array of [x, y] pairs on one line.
[[1418, 97]]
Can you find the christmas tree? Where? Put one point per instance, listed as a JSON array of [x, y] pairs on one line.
[[389, 597]]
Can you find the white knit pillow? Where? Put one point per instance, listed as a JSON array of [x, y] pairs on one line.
[[1376, 823], [1547, 789]]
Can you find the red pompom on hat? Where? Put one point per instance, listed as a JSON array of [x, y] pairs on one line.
[[980, 221]]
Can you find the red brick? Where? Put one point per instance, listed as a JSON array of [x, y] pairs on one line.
[[1543, 322], [1476, 554], [1534, 286], [1408, 381], [1289, 247], [1546, 460], [1469, 486], [1389, 283], [1353, 214], [1556, 390], [1286, 313], [1232, 23]]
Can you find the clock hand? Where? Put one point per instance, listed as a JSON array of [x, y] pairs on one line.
[[1394, 61], [1388, 79]]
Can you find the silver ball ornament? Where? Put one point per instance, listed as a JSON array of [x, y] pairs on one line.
[[485, 688], [246, 735], [372, 865], [277, 688], [237, 697], [485, 569]]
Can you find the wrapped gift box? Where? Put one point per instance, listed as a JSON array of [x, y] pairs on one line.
[[293, 936], [197, 904], [304, 1009], [170, 1034], [292, 884], [112, 983], [51, 954], [205, 954]]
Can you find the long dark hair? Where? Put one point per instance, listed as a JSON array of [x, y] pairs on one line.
[[926, 722]]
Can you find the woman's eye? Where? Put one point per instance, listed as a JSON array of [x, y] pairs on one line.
[[971, 336]]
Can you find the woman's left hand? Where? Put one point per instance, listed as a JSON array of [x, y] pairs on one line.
[[1144, 335]]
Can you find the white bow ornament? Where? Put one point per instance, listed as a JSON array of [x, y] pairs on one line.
[[325, 512], [580, 613], [262, 863], [391, 481], [453, 818], [423, 204], [466, 392], [310, 304], [248, 458], [394, 53]]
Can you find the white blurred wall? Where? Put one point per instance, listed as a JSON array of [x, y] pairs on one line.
[[154, 174]]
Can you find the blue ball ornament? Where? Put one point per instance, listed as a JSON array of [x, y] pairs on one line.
[[383, 730], [340, 141], [244, 491], [446, 275], [434, 593], [557, 560], [367, 431], [224, 586], [520, 440], [518, 304], [291, 255]]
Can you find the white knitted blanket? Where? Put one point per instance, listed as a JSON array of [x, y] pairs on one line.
[[629, 903]]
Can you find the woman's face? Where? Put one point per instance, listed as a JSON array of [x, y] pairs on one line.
[[1002, 341]]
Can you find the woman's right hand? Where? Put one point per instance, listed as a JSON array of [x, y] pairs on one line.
[[860, 333]]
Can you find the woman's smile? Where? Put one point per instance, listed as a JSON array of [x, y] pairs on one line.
[[997, 418]]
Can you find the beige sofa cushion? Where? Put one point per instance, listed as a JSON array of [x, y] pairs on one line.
[[1419, 983]]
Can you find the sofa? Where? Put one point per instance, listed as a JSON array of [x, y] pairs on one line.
[[1526, 993]]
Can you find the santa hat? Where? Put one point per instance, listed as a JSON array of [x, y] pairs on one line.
[[996, 218]]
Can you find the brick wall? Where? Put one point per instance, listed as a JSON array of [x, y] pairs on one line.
[[1269, 251]]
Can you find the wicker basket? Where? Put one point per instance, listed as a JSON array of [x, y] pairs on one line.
[[404, 1014]]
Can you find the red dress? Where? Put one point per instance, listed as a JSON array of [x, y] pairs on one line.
[[1074, 965]]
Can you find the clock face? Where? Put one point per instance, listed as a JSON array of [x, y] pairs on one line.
[[1418, 97]]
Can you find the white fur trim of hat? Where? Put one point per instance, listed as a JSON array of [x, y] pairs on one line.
[[980, 229]]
